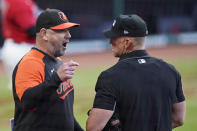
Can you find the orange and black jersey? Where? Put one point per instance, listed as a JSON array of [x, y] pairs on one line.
[[42, 101]]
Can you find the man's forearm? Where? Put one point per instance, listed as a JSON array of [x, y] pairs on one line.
[[178, 114], [97, 119]]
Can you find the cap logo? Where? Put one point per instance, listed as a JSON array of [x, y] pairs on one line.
[[62, 16], [114, 23]]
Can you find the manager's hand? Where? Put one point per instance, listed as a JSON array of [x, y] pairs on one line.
[[66, 70]]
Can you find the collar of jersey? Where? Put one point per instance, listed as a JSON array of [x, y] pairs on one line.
[[136, 53], [34, 48]]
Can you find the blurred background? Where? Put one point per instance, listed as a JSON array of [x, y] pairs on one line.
[[172, 26], [162, 17], [170, 20]]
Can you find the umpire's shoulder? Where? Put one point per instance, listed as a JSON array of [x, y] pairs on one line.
[[110, 72], [169, 66]]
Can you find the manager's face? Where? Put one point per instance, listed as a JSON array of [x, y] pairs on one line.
[[57, 40]]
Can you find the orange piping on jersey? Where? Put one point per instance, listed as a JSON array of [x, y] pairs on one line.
[[32, 110]]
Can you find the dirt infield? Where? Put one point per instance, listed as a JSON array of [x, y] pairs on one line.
[[172, 52]]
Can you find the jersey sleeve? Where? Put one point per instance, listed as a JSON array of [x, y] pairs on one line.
[[177, 94], [179, 91], [31, 86], [105, 93], [29, 74]]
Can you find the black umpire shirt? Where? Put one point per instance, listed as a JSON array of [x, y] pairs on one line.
[[142, 90]]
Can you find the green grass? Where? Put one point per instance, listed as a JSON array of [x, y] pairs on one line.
[[84, 82], [6, 104]]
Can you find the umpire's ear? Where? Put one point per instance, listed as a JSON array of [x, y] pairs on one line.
[[43, 34], [128, 44]]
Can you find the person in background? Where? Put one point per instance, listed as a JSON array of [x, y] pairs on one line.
[[1, 36], [42, 87], [144, 92], [18, 28]]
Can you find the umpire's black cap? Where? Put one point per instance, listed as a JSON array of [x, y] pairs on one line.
[[53, 19], [127, 25]]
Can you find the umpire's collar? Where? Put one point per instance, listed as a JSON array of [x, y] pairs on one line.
[[136, 53]]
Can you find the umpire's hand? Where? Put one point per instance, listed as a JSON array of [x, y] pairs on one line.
[[66, 70]]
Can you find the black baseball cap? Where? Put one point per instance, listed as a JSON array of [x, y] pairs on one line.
[[127, 25], [53, 19]]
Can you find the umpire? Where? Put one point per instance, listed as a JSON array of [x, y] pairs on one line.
[[143, 91]]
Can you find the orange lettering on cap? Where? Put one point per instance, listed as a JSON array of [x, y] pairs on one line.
[[62, 16]]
